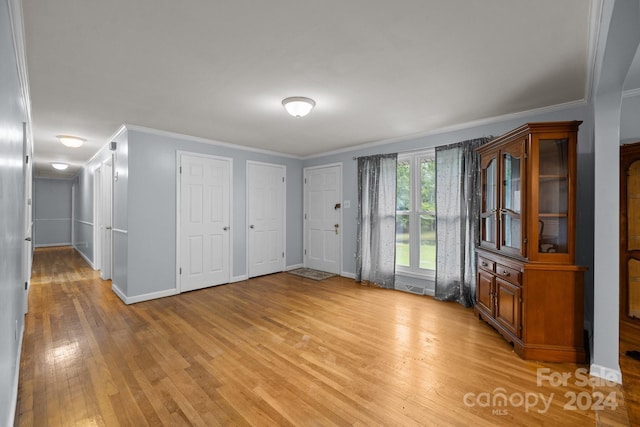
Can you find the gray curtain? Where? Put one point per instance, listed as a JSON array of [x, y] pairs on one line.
[[376, 244], [457, 220]]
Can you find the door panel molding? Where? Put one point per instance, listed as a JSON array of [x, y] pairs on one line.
[[323, 234], [224, 275], [253, 267]]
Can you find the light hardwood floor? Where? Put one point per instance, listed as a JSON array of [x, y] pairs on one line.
[[275, 350]]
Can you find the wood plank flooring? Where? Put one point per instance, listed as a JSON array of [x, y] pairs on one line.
[[275, 350]]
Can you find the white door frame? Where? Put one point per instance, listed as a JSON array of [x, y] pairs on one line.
[[27, 247], [97, 218], [284, 211], [179, 154], [305, 203], [106, 203]]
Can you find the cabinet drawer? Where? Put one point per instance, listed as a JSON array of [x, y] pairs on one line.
[[509, 274], [486, 264]]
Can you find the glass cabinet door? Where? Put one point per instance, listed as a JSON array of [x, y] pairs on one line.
[[553, 197], [489, 203], [511, 207]]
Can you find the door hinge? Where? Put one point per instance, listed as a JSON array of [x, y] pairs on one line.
[[180, 270], [282, 254], [305, 216], [305, 251], [526, 240], [283, 179], [25, 285], [520, 299], [520, 327], [27, 160], [180, 169], [305, 180]]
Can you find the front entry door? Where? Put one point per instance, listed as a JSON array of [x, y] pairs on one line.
[[266, 218], [322, 215], [205, 227]]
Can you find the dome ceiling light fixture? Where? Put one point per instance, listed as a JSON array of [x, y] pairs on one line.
[[298, 106], [59, 166], [71, 141]]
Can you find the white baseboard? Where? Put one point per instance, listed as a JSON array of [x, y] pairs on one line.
[[144, 297], [348, 275], [293, 267], [608, 374], [52, 245], [14, 391], [239, 278], [84, 257]]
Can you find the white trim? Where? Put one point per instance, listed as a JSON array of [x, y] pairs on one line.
[[179, 153], [284, 211], [117, 230], [165, 133], [293, 267], [53, 219], [240, 278], [88, 261], [348, 275], [84, 222], [143, 297], [97, 216], [53, 245], [117, 134], [631, 93], [453, 128], [16, 379], [614, 375], [304, 205], [16, 17], [595, 16]]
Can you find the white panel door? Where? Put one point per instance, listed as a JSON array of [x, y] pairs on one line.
[[322, 202], [106, 208], [205, 191], [266, 209]]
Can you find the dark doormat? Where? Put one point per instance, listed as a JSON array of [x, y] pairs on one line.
[[310, 273]]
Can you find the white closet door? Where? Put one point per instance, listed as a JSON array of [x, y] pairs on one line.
[[266, 209], [205, 200]]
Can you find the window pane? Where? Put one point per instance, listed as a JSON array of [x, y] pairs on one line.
[[403, 186], [428, 242], [403, 253], [427, 185]]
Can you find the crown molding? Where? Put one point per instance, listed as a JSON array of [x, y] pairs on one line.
[[207, 141], [454, 128], [595, 19], [17, 30], [631, 93]]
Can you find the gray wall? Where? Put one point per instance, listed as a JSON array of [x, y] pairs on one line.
[[151, 209], [630, 119], [83, 215], [52, 212], [12, 225], [585, 182]]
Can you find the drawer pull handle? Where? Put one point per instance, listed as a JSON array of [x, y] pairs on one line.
[[484, 264], [505, 273]]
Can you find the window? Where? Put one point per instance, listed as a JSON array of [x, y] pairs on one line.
[[416, 214]]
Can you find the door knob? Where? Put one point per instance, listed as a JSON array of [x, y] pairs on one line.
[[225, 228], [252, 226], [28, 239]]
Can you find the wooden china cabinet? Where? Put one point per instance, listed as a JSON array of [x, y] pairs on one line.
[[528, 287]]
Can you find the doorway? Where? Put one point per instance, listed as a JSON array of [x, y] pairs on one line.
[[265, 218], [103, 196], [323, 218]]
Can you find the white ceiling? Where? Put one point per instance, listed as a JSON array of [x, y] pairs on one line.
[[377, 69]]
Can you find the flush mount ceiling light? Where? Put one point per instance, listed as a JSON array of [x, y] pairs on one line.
[[298, 106], [71, 141], [59, 166]]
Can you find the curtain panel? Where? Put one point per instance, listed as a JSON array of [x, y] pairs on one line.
[[457, 220], [376, 237]]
